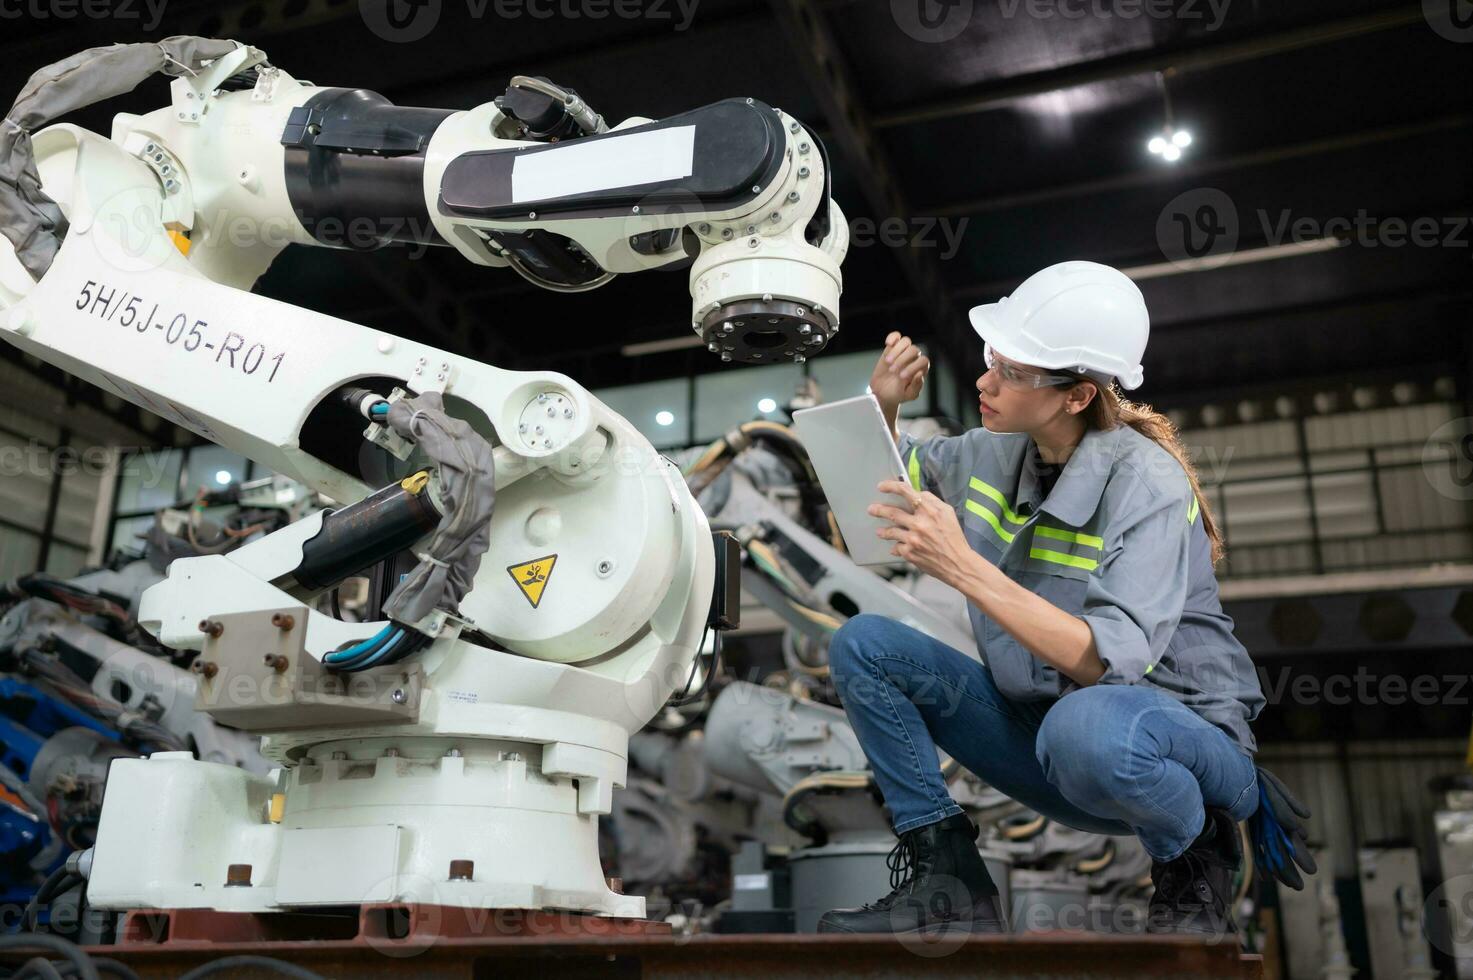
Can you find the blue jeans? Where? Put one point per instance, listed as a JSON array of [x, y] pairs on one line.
[[1110, 759]]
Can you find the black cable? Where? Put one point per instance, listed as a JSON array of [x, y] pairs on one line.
[[78, 959], [261, 962], [106, 966], [40, 967], [695, 665], [111, 967], [416, 642], [50, 888], [711, 670]]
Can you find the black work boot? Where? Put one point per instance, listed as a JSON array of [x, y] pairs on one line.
[[1194, 893], [938, 882]]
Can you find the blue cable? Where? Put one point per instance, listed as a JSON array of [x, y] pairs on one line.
[[357, 662], [358, 649], [376, 658]]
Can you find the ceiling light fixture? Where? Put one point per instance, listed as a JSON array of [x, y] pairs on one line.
[[1169, 143]]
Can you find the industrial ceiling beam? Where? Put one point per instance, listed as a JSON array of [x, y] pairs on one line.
[[655, 44], [1137, 179], [498, 283], [992, 95], [441, 312], [828, 74], [249, 18]]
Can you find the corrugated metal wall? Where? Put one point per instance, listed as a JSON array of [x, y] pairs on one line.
[[53, 483], [1367, 792], [1341, 491]]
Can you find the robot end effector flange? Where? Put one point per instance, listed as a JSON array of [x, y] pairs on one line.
[[739, 187]]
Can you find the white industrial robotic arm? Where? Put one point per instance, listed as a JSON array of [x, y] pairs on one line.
[[248, 159], [595, 589]]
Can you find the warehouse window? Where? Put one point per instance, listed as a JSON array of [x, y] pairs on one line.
[[151, 481], [729, 398], [681, 412], [847, 375], [659, 409]]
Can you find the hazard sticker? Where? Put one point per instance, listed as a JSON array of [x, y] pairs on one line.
[[531, 577]]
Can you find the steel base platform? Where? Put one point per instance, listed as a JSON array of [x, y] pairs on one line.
[[431, 942]]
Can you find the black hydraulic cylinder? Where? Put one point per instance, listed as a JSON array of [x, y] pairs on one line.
[[360, 535]]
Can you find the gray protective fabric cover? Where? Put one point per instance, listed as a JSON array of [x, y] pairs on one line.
[[28, 218], [467, 472]]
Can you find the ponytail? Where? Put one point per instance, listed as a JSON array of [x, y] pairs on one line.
[[1111, 409]]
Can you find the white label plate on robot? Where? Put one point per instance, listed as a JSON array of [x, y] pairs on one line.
[[622, 161], [338, 865]]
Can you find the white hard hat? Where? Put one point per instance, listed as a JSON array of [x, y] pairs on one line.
[[1074, 316]]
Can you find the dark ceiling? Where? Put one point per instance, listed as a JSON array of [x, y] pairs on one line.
[[1015, 143]]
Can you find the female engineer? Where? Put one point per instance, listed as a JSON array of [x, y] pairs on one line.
[[1111, 694]]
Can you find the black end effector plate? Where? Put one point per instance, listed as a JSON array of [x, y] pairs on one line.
[[765, 331]]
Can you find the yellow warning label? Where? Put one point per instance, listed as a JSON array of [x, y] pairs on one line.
[[531, 577]]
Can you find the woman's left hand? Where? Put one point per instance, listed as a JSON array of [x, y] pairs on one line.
[[928, 536]]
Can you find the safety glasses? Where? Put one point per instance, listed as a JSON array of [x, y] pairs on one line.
[[1016, 376]]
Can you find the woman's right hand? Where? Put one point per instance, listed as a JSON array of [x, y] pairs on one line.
[[899, 374]]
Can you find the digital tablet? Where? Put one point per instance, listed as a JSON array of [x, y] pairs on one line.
[[852, 452]]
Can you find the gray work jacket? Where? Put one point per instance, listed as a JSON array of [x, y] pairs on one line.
[[1116, 542]]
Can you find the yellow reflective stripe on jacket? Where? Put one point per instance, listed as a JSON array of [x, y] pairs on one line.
[[915, 469], [1192, 511], [1059, 558], [1073, 537], [990, 518], [989, 491]]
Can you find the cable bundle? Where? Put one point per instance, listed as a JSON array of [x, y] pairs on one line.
[[388, 646], [237, 527], [79, 600], [60, 680]]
